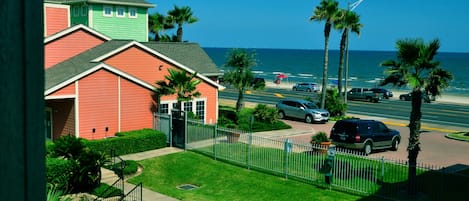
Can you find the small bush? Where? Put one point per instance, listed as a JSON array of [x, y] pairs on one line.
[[67, 146], [103, 192], [58, 173], [264, 113], [320, 137], [333, 103]]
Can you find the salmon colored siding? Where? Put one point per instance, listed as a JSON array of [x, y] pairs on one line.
[[98, 105], [139, 64], [63, 117], [65, 91], [136, 106], [145, 66], [210, 94], [68, 46], [56, 19]]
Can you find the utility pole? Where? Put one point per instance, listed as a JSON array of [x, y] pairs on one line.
[[350, 7]]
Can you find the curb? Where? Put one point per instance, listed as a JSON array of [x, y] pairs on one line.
[[453, 138]]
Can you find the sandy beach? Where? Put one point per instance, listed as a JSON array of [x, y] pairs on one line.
[[444, 98]]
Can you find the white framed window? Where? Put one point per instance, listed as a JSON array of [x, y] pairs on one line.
[[120, 12], [107, 11], [132, 13], [200, 109], [164, 108], [188, 106], [84, 10], [76, 11]]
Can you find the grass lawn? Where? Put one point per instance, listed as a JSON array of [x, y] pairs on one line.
[[460, 136], [221, 181]]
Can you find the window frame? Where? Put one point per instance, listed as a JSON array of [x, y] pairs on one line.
[[110, 11], [130, 11], [76, 11], [84, 10], [118, 8]]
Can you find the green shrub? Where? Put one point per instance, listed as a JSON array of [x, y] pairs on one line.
[[130, 142], [106, 191], [264, 113], [49, 147], [59, 173], [333, 103], [228, 113], [320, 137], [67, 146], [86, 163]]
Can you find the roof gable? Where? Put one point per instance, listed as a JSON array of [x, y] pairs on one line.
[[87, 62], [72, 29]]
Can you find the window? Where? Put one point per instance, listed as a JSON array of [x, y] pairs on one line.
[[76, 11], [200, 109], [175, 106], [164, 108], [132, 13], [188, 106], [120, 12], [84, 10], [107, 11]]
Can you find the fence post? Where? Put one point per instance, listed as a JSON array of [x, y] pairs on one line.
[[215, 142], [185, 130], [382, 169], [249, 149], [287, 148]]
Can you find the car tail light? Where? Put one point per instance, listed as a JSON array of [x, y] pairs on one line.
[[357, 138]]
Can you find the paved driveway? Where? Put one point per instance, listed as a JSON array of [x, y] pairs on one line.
[[436, 148]]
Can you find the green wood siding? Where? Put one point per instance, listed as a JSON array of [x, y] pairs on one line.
[[79, 15], [120, 27]]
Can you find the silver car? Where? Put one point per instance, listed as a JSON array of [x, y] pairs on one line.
[[302, 109], [306, 86]]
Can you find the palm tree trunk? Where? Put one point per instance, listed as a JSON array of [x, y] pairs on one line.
[[327, 30], [239, 102], [179, 33], [341, 61], [414, 140]]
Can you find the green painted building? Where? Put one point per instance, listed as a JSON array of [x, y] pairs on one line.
[[118, 19]]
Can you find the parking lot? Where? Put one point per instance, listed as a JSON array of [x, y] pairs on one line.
[[436, 148]]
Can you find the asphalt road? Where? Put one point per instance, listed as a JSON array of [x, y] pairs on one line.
[[449, 116]]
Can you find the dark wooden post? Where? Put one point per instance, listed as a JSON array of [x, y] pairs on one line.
[[22, 167]]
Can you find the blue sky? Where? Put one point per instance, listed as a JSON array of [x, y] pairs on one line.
[[285, 24]]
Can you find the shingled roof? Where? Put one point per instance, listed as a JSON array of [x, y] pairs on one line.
[[138, 3], [190, 55]]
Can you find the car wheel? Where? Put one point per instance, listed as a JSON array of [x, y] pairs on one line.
[[395, 144], [308, 90], [368, 148], [368, 99], [309, 119], [402, 98], [281, 115], [294, 89]]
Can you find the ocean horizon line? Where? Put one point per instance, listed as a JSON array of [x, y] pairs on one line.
[[303, 49]]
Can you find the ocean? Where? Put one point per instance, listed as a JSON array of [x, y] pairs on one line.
[[364, 68]]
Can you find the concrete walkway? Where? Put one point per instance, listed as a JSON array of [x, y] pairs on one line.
[[109, 177]]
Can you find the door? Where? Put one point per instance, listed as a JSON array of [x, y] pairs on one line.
[[48, 123], [178, 132]]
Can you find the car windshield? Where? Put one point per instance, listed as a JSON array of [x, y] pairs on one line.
[[310, 105]]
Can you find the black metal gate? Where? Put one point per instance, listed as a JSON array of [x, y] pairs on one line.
[[178, 132]]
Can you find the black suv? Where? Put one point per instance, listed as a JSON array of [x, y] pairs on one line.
[[366, 135]]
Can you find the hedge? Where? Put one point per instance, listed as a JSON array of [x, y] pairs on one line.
[[58, 172], [130, 142]]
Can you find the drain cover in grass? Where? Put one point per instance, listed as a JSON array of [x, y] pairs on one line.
[[187, 186]]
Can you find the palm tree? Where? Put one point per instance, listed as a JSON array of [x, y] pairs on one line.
[[158, 22], [241, 76], [326, 11], [348, 20], [181, 83], [415, 67], [181, 15]]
